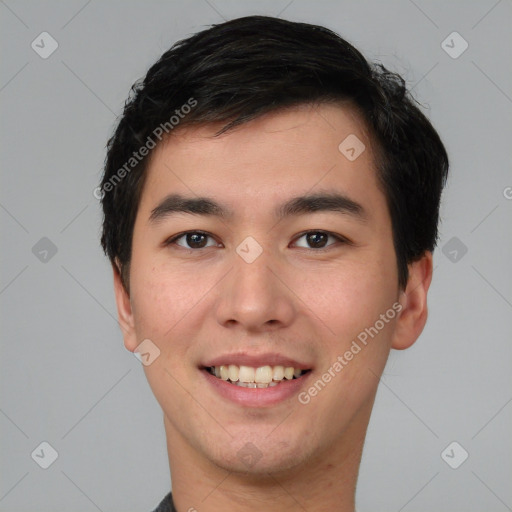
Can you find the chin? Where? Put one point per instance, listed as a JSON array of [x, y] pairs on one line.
[[260, 455]]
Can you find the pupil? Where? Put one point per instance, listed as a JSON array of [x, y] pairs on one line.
[[317, 239], [194, 240]]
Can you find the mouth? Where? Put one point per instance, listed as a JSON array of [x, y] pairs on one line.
[[256, 380], [266, 376]]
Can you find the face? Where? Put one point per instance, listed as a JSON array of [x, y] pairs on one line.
[[286, 263]]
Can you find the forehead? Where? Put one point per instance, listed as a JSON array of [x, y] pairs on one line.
[[278, 155]]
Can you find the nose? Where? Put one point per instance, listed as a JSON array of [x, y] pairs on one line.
[[255, 297]]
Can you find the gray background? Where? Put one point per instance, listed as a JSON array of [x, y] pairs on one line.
[[65, 376]]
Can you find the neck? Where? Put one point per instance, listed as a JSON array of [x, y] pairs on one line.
[[326, 481]]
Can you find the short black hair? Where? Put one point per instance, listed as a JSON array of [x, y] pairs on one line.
[[239, 70]]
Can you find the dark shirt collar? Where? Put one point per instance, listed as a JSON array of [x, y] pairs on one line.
[[166, 505]]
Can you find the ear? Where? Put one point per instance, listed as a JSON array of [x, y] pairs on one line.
[[124, 312], [413, 315]]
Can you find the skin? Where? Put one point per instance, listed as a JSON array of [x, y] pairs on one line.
[[295, 299]]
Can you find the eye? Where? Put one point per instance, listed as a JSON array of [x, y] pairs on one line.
[[192, 240], [319, 239], [199, 240]]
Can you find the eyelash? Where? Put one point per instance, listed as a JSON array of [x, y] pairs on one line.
[[338, 238]]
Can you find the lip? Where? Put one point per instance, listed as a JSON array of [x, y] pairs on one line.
[[256, 397], [256, 360]]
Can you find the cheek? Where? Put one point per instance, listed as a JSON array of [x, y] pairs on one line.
[[167, 296], [160, 300], [350, 304], [348, 297], [163, 305]]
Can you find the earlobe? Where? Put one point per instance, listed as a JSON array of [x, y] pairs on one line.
[[124, 311], [413, 315]]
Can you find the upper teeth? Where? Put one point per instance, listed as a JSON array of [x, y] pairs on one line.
[[263, 374]]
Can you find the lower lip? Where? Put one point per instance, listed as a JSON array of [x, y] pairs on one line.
[[256, 397]]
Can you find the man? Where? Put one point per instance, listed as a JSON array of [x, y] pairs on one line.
[[270, 204]]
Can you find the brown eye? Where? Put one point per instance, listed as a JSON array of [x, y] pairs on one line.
[[196, 240], [192, 240], [319, 239]]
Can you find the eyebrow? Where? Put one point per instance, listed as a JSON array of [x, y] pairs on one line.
[[301, 205]]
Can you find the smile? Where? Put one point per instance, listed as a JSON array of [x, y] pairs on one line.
[[260, 377]]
